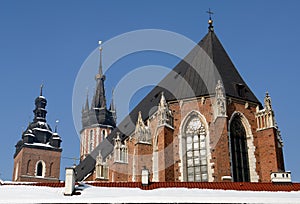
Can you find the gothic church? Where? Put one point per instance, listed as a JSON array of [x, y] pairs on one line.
[[201, 123]]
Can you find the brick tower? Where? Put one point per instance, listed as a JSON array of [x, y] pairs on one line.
[[97, 120], [38, 153]]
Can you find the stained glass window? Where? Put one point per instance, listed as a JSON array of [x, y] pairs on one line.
[[196, 154], [239, 151]]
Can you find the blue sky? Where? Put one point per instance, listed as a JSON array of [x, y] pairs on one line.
[[48, 41]]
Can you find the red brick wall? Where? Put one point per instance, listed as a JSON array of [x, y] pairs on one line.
[[267, 154], [270, 156], [35, 155], [165, 154]]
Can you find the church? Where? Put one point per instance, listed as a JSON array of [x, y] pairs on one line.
[[201, 123]]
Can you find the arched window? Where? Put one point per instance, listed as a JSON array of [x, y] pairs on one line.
[[40, 169], [103, 134], [91, 141], [239, 151], [28, 166], [195, 149]]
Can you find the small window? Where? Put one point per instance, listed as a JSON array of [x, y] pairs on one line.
[[241, 90], [28, 166], [103, 134], [91, 141], [40, 169]]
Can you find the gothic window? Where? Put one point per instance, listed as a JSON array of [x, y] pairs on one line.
[[195, 148], [91, 140], [239, 151], [102, 171], [123, 154], [40, 169]]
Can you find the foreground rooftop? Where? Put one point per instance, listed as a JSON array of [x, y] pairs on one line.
[[161, 192]]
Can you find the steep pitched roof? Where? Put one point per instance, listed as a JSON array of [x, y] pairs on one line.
[[194, 76]]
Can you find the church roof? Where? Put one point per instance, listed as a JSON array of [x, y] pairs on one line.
[[194, 76]]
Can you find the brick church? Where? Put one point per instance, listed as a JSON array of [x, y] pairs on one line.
[[38, 153], [201, 123]]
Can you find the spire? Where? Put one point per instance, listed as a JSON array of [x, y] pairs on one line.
[[112, 107], [41, 89], [100, 62], [56, 125], [112, 103], [87, 102], [99, 100], [210, 21]]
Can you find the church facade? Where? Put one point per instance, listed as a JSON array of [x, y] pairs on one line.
[[201, 123], [38, 153]]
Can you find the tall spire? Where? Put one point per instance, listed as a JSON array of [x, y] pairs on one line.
[[100, 62], [99, 98]]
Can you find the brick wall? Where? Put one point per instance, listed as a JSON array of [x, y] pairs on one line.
[[28, 158]]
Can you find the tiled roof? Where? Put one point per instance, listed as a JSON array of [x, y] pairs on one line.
[[237, 186]]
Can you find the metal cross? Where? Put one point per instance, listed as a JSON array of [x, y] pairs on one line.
[[209, 13]]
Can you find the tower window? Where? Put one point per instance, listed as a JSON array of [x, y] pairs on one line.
[[40, 169], [239, 151], [195, 148], [28, 166], [103, 134], [91, 141]]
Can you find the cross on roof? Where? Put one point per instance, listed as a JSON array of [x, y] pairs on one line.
[[209, 13]]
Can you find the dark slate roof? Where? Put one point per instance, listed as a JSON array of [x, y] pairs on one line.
[[194, 76]]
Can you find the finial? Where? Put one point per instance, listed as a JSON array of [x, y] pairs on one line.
[[210, 21], [41, 89], [100, 63], [56, 124]]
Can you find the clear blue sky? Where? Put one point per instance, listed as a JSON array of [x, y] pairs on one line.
[[48, 41]]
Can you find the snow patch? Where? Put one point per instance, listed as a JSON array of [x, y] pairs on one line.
[[91, 194]]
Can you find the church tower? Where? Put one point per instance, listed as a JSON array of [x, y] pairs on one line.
[[38, 153], [97, 120]]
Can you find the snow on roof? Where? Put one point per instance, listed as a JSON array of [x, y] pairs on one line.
[[42, 97], [92, 194], [39, 144], [42, 130]]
